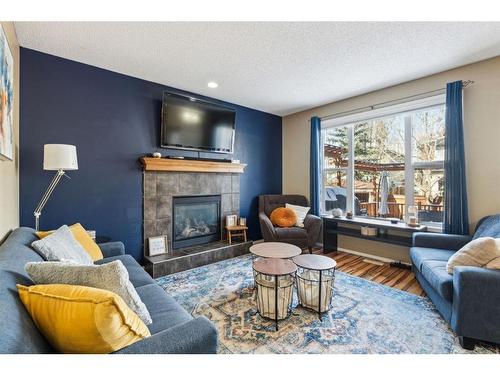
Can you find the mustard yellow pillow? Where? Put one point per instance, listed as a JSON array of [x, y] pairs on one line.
[[83, 238], [79, 319]]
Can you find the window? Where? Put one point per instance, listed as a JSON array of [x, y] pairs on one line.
[[380, 163]]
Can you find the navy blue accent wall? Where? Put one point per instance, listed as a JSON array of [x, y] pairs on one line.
[[113, 119]]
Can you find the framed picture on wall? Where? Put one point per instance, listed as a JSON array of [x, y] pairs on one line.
[[6, 99], [157, 245]]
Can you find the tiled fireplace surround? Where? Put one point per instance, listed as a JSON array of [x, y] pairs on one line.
[[160, 187]]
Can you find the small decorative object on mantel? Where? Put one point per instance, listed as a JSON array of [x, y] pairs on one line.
[[231, 220], [157, 245], [348, 215], [243, 221], [157, 155], [337, 212]]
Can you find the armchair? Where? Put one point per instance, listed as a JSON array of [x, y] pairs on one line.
[[307, 236]]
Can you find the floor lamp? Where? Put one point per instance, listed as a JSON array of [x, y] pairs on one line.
[[58, 158]]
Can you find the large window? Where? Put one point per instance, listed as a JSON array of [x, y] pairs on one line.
[[379, 166]]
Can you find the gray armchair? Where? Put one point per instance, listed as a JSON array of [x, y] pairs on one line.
[[301, 237]]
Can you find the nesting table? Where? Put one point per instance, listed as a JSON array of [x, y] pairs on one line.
[[280, 266], [315, 278], [278, 250], [274, 279]]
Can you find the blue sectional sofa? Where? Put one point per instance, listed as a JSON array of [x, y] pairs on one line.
[[173, 329], [469, 300]]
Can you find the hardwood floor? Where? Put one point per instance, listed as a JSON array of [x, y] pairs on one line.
[[394, 277]]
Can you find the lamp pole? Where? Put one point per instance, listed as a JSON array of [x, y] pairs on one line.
[[46, 196]]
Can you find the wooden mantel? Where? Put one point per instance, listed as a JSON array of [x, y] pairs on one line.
[[183, 165]]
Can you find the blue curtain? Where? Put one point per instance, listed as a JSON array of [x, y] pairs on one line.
[[315, 168], [456, 216]]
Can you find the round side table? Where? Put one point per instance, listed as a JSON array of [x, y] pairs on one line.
[[280, 250], [315, 278], [274, 280]]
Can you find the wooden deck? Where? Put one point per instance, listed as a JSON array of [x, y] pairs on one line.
[[394, 277]]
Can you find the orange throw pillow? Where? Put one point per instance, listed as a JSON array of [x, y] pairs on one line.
[[283, 217]]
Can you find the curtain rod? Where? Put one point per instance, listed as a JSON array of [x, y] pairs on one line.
[[387, 103]]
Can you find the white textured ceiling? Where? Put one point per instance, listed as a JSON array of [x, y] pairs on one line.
[[275, 67]]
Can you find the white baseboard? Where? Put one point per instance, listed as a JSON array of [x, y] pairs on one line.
[[370, 256]]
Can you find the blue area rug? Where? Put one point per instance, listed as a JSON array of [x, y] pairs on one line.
[[365, 318]]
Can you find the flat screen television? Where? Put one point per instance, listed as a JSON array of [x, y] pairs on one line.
[[193, 124]]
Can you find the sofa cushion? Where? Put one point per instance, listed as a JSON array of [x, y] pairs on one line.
[[83, 239], [164, 310], [112, 276], [80, 319], [283, 217], [477, 253], [18, 331], [488, 227], [420, 254], [291, 233], [436, 275], [62, 246], [138, 277], [268, 203]]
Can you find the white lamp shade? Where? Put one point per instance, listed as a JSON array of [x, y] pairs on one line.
[[57, 157]]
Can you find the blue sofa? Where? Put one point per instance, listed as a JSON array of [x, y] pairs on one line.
[[469, 300], [173, 330]]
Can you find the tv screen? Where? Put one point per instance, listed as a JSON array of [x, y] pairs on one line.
[[193, 124]]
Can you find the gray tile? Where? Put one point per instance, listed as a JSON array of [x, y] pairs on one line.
[[164, 207], [207, 184], [149, 184], [149, 208], [149, 228], [235, 198], [189, 183], [167, 183], [164, 227], [226, 203], [235, 183], [223, 183]]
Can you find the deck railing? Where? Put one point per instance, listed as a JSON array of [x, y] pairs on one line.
[[397, 209]]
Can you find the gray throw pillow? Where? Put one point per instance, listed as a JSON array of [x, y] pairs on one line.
[[62, 246], [111, 276]]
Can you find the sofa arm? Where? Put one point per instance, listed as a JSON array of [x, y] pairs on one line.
[[112, 249], [266, 227], [312, 224], [440, 241], [198, 336], [476, 303]]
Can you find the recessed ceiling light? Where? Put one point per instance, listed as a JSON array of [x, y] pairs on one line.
[[212, 84]]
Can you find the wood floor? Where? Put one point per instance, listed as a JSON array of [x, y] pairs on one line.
[[394, 277]]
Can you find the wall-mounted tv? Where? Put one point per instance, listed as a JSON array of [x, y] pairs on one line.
[[192, 124]]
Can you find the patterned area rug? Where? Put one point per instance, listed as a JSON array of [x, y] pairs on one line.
[[365, 318]]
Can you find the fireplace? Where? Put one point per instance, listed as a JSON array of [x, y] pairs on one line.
[[196, 220]]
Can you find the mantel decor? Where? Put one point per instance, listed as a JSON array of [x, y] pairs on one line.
[[184, 165]]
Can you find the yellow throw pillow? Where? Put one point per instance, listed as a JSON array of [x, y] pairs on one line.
[[79, 319], [83, 238]]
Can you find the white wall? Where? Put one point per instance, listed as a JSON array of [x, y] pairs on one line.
[[9, 170], [482, 141]]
